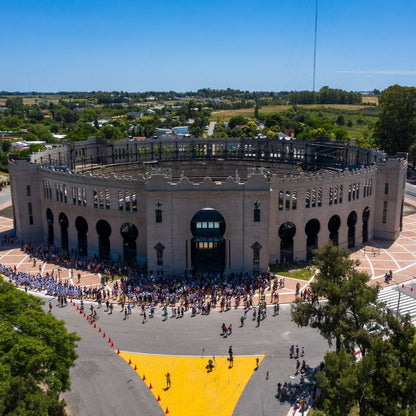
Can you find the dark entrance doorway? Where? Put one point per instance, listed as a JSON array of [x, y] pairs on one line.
[[104, 231], [208, 244], [129, 233], [286, 233], [351, 221], [63, 222], [49, 220], [366, 217], [82, 227], [333, 227], [311, 230]]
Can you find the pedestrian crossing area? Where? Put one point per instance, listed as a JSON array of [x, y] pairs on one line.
[[398, 298]]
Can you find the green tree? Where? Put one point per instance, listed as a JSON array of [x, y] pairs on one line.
[[412, 154], [251, 130], [41, 132], [340, 120], [341, 135], [82, 131], [111, 133], [350, 303], [36, 355], [383, 382], [338, 383], [395, 129], [236, 121], [15, 105]]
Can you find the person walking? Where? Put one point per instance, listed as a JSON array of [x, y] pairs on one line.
[[168, 381]]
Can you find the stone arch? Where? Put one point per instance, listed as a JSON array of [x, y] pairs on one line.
[[82, 228], [365, 217], [49, 221], [351, 221], [103, 229], [286, 233], [333, 227], [64, 223], [312, 229], [208, 243], [129, 233]]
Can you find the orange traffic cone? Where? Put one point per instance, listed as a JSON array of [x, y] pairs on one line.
[[144, 377], [118, 350], [129, 361], [77, 308], [109, 340], [84, 315], [158, 398], [135, 367], [104, 335], [95, 326], [99, 330], [88, 318], [150, 386], [112, 345], [167, 411]]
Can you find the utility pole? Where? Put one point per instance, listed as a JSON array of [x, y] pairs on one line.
[[314, 49]]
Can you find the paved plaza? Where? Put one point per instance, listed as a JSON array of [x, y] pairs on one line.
[[134, 381]]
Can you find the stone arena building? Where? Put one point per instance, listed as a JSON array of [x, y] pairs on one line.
[[232, 205]]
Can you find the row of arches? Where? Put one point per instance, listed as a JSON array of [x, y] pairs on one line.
[[208, 226], [128, 232], [288, 230]]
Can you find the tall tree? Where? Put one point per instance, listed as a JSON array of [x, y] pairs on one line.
[[36, 355], [349, 302], [395, 129]]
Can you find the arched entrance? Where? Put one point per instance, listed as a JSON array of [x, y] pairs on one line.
[[129, 233], [104, 231], [82, 228], [286, 233], [351, 221], [333, 227], [49, 220], [63, 222], [366, 217], [312, 229], [208, 244]]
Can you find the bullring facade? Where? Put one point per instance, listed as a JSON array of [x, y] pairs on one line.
[[231, 205]]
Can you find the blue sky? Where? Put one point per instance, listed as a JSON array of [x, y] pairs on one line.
[[159, 45]]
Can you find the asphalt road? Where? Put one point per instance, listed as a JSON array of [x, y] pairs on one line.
[[5, 196], [102, 383]]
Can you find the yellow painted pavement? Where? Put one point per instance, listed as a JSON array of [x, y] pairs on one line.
[[194, 391]]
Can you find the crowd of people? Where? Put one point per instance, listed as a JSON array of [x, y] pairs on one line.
[[125, 284]]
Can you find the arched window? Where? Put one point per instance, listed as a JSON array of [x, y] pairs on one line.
[[257, 211], [158, 212], [294, 200], [256, 247], [313, 198]]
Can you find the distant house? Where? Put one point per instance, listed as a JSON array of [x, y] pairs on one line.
[[283, 136], [289, 132]]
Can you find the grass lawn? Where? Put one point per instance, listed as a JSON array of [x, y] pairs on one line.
[[296, 271], [7, 212], [249, 112]]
